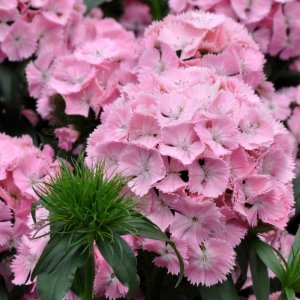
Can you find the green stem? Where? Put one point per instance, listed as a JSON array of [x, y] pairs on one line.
[[89, 270]]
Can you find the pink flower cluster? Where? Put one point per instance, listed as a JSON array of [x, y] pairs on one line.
[[285, 107], [84, 59], [274, 24], [21, 166], [201, 151]]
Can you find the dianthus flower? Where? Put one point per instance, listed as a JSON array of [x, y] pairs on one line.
[[198, 144]]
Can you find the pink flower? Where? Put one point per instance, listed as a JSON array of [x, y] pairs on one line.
[[8, 5], [58, 12], [167, 257], [293, 123], [256, 130], [20, 41], [174, 179], [209, 176], [161, 213], [106, 283], [70, 75], [6, 228], [221, 134], [66, 136], [30, 170], [277, 165], [209, 262], [144, 130], [251, 12], [181, 142], [145, 166], [38, 73], [195, 221]]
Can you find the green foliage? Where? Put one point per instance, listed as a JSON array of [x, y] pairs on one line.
[[260, 278], [288, 272], [84, 206]]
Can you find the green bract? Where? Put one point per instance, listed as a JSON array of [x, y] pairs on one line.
[[85, 209]]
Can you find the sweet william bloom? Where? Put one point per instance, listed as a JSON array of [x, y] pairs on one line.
[[8, 5], [181, 142], [195, 221], [167, 257], [208, 176], [70, 75], [58, 12], [66, 136], [209, 262], [221, 134], [106, 283], [20, 41], [144, 166], [161, 213], [176, 176], [144, 130], [6, 226]]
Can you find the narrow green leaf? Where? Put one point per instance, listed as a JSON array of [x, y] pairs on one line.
[[290, 294], [90, 4], [295, 247], [55, 285], [260, 278], [146, 228], [267, 255], [242, 257], [121, 258]]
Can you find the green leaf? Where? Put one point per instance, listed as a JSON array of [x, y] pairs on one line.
[[55, 251], [295, 247], [296, 184], [260, 278], [242, 256], [290, 294], [90, 4], [3, 291], [121, 258], [55, 285], [267, 255], [221, 291]]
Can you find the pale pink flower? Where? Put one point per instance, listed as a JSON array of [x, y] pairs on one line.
[[20, 41], [176, 176], [161, 213], [220, 134], [38, 73], [8, 5], [80, 103], [144, 130], [58, 12], [181, 142], [70, 75], [209, 176], [278, 165], [144, 166], [294, 124], [66, 136], [253, 11], [6, 228], [106, 283], [209, 262], [98, 51], [167, 257], [29, 172], [195, 221], [256, 130]]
